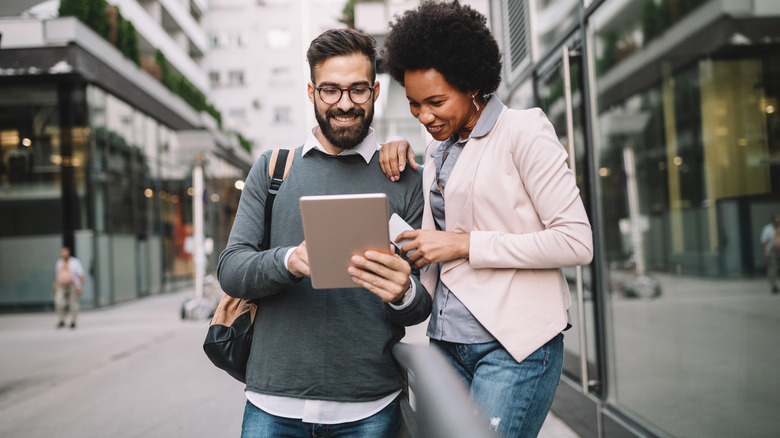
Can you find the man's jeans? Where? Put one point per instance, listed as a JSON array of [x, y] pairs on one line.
[[515, 397], [260, 424]]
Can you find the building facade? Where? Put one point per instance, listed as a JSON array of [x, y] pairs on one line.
[[97, 154], [257, 65], [669, 111]]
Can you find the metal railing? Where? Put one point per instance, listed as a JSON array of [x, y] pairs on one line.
[[438, 405]]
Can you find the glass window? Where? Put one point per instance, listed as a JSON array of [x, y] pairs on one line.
[[580, 359], [551, 19], [238, 113], [32, 155], [235, 39], [282, 115], [688, 141], [523, 96], [236, 78], [213, 41]]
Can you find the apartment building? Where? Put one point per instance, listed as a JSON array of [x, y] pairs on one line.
[[257, 67]]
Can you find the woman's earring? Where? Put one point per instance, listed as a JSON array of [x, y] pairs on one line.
[[474, 101]]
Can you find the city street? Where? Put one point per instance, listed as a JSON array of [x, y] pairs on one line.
[[131, 370]]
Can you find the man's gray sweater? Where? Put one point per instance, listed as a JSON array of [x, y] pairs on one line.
[[331, 344]]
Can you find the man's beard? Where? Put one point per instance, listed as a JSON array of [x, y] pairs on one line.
[[346, 137]]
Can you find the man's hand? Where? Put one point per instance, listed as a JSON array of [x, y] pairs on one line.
[[429, 246], [386, 275], [298, 263], [393, 156]]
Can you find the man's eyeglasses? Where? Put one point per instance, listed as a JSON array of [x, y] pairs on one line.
[[358, 94]]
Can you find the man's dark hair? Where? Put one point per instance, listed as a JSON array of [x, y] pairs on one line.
[[449, 37], [341, 42]]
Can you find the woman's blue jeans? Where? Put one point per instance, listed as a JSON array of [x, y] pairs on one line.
[[514, 397], [260, 424]]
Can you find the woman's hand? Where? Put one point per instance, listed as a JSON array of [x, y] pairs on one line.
[[393, 157], [429, 246]]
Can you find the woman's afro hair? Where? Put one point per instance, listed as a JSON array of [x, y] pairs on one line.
[[449, 37]]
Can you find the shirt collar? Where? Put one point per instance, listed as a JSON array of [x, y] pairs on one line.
[[365, 149], [485, 123], [488, 117]]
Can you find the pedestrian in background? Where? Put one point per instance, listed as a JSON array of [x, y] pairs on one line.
[[320, 361], [502, 215], [68, 285], [770, 247]]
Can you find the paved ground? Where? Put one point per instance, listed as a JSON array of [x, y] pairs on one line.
[[131, 370]]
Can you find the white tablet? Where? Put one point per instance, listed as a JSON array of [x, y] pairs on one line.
[[337, 226]]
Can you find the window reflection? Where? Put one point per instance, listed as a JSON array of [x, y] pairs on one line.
[[552, 19], [687, 164]]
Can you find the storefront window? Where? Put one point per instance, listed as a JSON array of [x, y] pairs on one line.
[[30, 190], [688, 142], [32, 157], [557, 79]]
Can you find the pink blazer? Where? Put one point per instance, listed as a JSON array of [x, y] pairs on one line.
[[514, 192]]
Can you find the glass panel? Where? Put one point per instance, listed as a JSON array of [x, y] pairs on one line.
[[523, 96], [551, 19], [550, 89], [30, 182], [688, 142], [79, 160]]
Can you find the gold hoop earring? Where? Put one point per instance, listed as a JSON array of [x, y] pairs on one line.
[[474, 101]]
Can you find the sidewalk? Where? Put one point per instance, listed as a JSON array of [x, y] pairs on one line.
[[131, 370]]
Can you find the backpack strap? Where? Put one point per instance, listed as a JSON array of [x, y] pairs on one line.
[[278, 168]]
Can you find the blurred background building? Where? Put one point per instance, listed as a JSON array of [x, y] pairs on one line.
[[667, 107], [257, 67], [102, 119]]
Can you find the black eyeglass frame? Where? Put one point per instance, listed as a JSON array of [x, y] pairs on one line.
[[341, 93]]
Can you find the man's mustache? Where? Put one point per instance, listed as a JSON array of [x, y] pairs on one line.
[[354, 112]]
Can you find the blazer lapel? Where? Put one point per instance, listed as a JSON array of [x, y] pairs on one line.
[[459, 193]]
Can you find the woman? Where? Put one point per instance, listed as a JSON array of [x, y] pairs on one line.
[[502, 216]]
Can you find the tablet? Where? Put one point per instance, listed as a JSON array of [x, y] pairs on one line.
[[337, 226]]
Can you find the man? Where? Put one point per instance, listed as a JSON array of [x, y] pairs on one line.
[[68, 285], [770, 247], [321, 359]]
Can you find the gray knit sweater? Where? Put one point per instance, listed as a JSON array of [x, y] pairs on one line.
[[329, 344]]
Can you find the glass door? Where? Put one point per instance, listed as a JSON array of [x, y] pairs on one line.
[[560, 97]]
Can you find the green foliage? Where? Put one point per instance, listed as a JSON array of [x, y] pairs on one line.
[[73, 8], [245, 144], [659, 16], [651, 21], [93, 14], [184, 88], [214, 113], [127, 40], [97, 18], [608, 58], [90, 12], [348, 13]]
